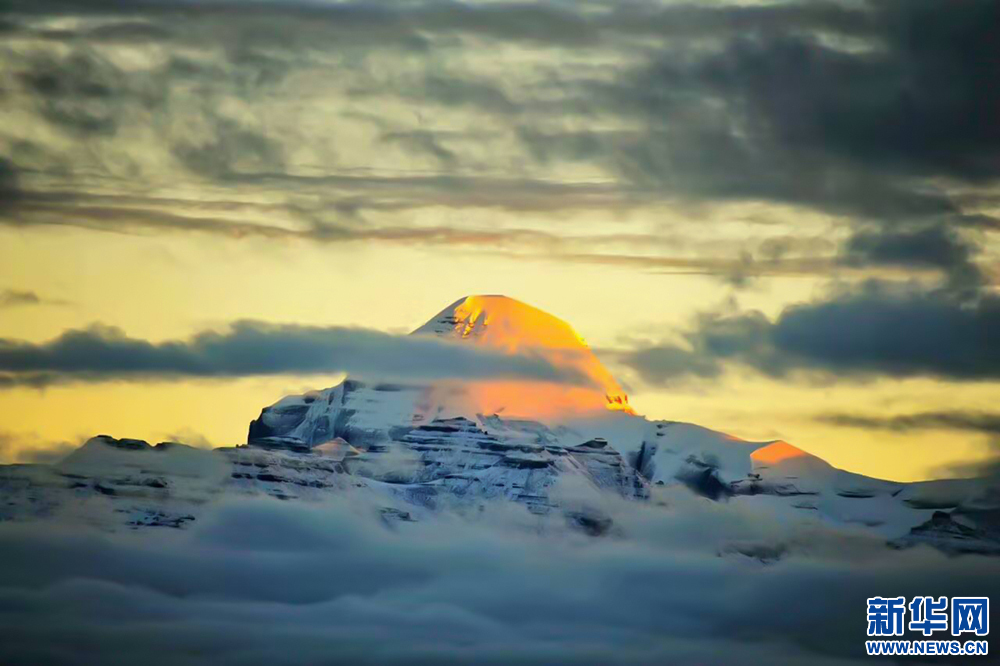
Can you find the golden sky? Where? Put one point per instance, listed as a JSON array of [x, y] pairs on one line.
[[748, 235]]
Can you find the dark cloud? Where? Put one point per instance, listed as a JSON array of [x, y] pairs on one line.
[[774, 87], [229, 149], [987, 423], [255, 348], [896, 333], [288, 25], [481, 95], [869, 111], [84, 92], [813, 119], [340, 192], [880, 330], [426, 142], [660, 365], [731, 269], [832, 123], [936, 246], [352, 24], [9, 188], [13, 297], [353, 198], [10, 298]]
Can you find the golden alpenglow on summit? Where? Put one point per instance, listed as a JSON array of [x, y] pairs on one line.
[[721, 387], [508, 325]]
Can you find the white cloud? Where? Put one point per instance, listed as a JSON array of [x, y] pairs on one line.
[[278, 583]]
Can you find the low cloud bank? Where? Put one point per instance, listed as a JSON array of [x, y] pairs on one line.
[[265, 582], [883, 330], [246, 348], [29, 448]]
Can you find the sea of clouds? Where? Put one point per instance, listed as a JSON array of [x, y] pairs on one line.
[[681, 579]]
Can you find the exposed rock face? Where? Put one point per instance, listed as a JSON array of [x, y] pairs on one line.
[[519, 461], [959, 532], [360, 414], [455, 462]]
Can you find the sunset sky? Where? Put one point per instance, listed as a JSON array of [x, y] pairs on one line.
[[774, 219]]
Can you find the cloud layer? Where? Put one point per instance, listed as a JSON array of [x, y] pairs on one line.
[[879, 330], [265, 582], [982, 422], [870, 115], [255, 348], [12, 298]]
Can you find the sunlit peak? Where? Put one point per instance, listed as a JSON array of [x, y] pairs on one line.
[[511, 326], [777, 452]]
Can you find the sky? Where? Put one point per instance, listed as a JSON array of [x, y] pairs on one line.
[[778, 220]]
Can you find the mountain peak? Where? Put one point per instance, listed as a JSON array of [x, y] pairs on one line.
[[502, 322], [511, 326]]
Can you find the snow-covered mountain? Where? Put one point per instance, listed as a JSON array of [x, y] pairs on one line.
[[456, 445]]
